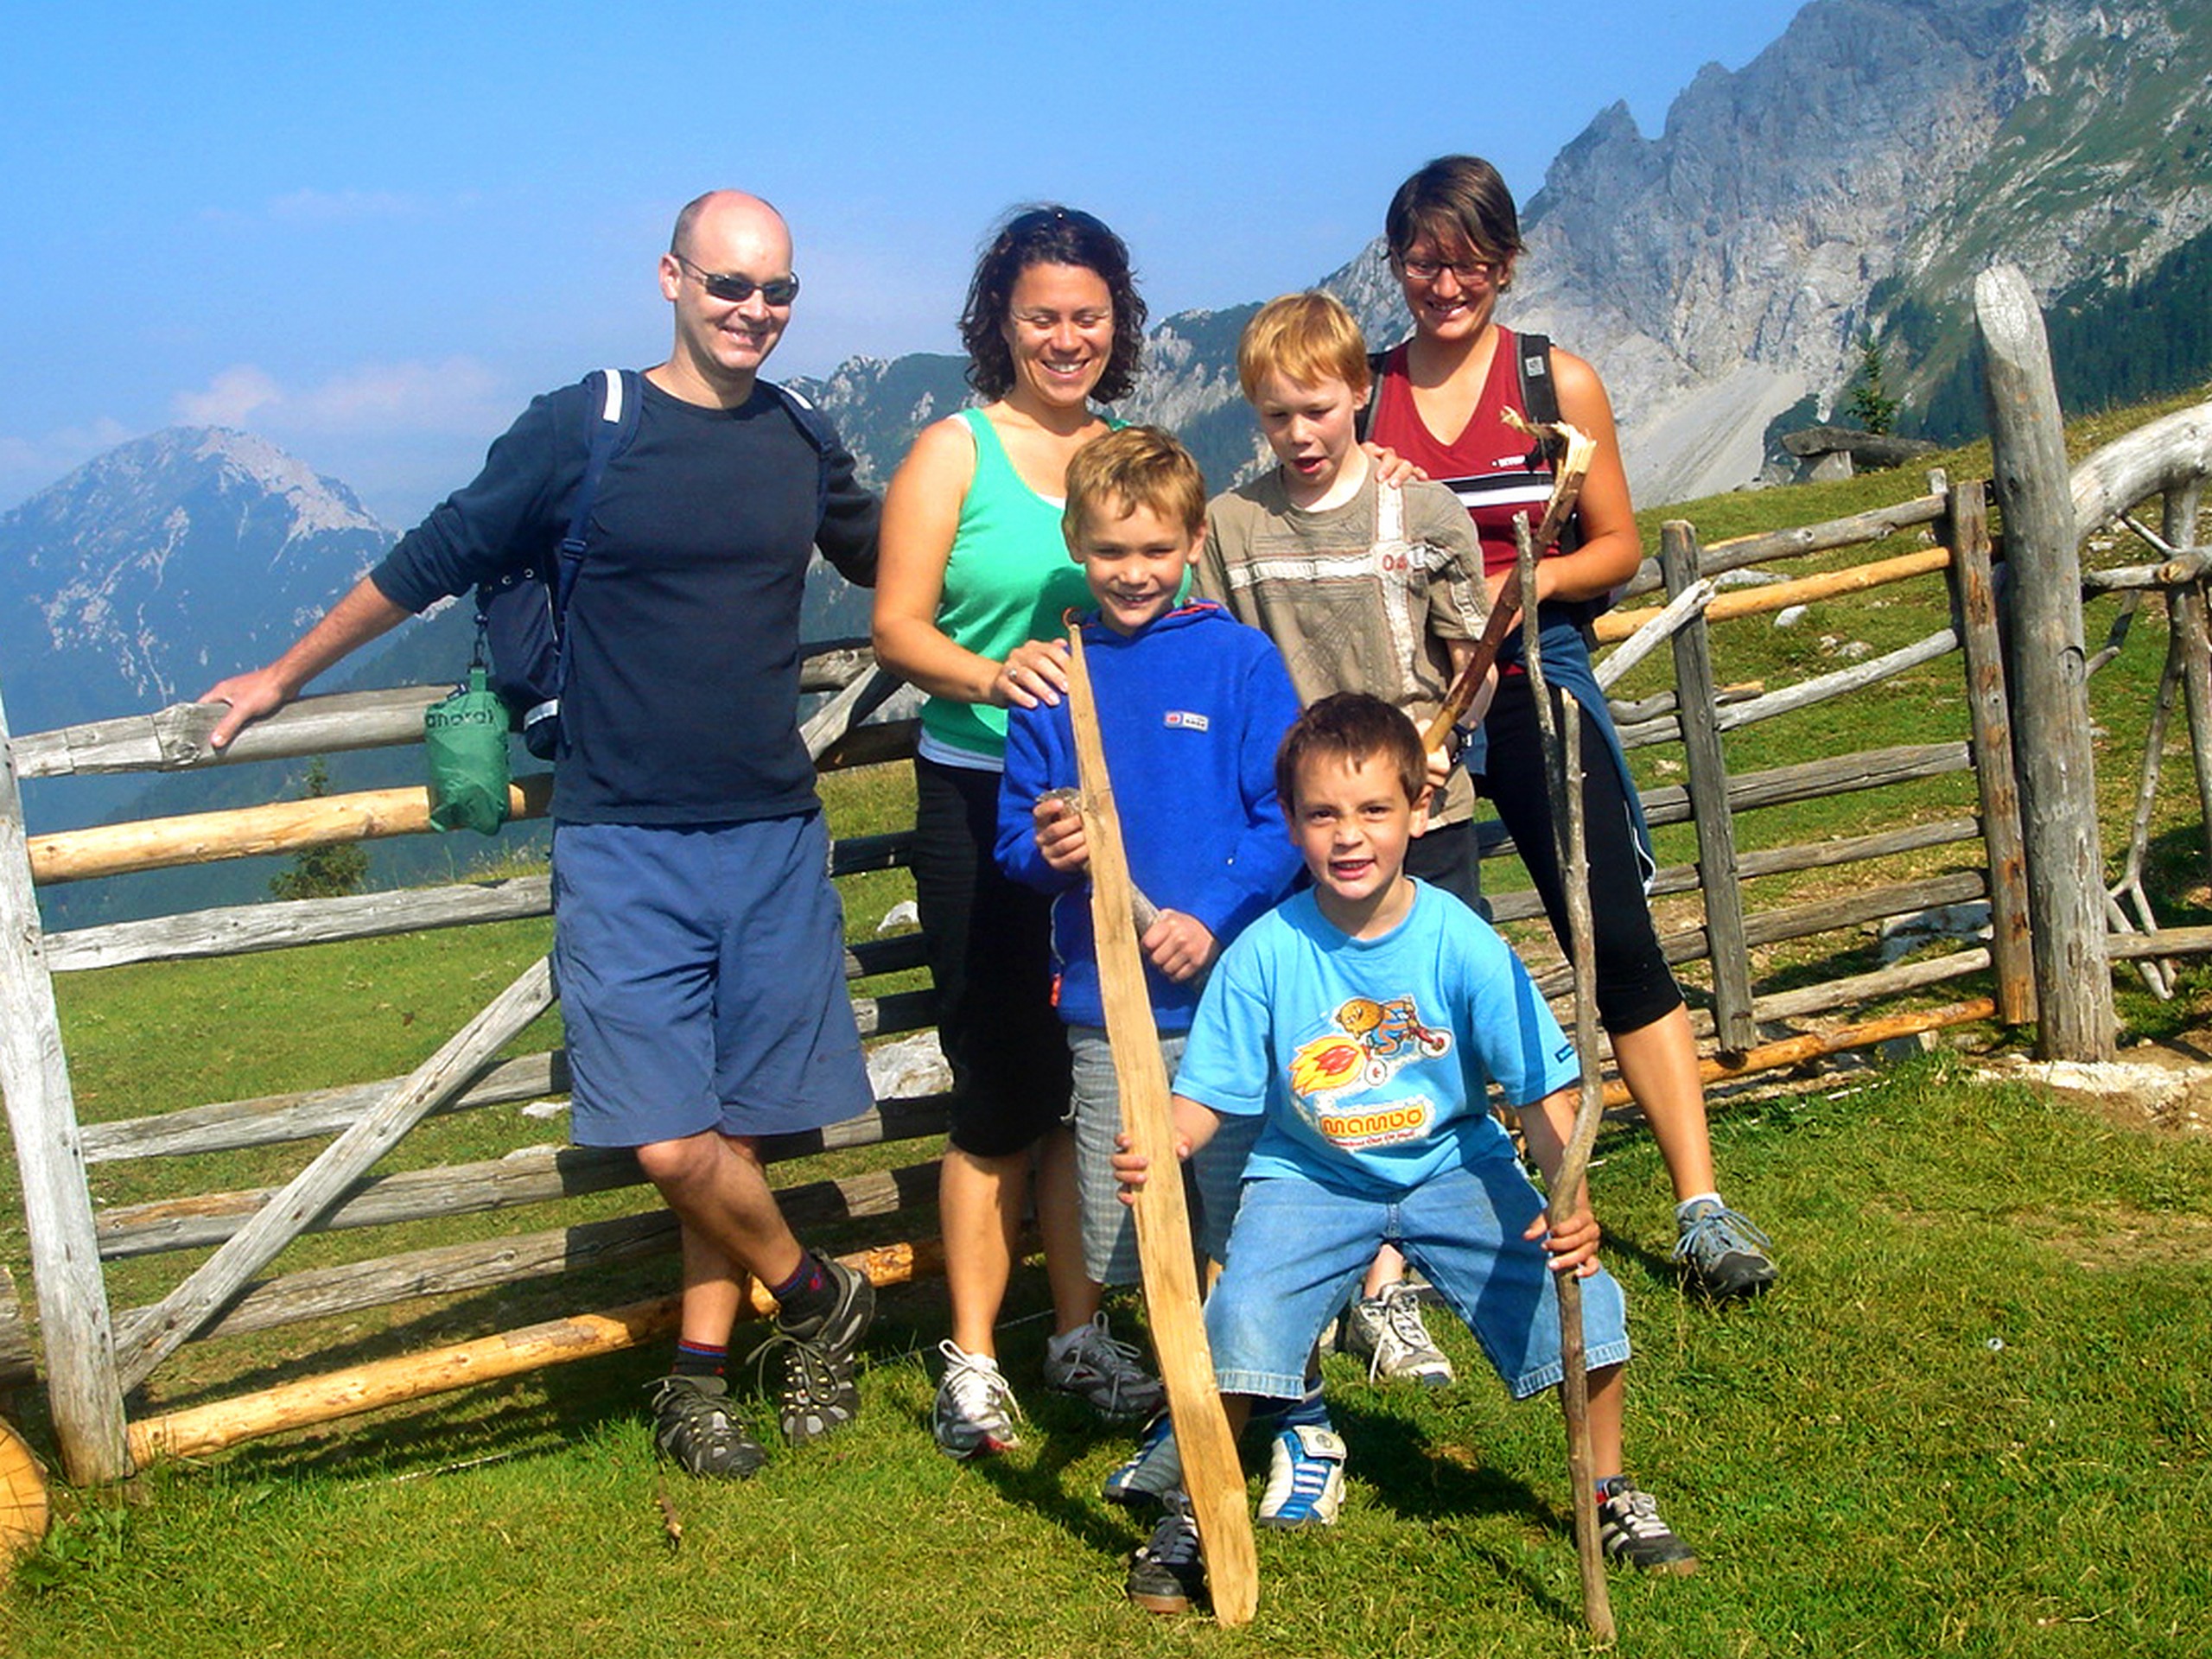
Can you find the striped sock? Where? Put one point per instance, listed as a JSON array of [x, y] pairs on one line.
[[700, 1359]]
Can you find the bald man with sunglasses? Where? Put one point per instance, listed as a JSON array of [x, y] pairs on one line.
[[698, 943]]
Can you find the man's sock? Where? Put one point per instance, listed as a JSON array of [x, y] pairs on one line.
[[807, 1295], [700, 1359]]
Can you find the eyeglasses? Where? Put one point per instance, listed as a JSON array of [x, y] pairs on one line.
[[1471, 273], [778, 292]]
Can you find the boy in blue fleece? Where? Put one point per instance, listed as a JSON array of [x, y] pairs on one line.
[[1191, 705]]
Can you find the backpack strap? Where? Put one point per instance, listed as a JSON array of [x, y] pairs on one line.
[[1365, 417], [1540, 403], [817, 431]]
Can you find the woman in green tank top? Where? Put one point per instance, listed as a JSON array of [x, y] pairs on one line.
[[975, 578]]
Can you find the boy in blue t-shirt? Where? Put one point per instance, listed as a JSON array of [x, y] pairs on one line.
[[1359, 1023], [1192, 708]]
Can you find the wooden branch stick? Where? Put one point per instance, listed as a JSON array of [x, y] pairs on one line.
[[197, 1431], [1567, 486], [1563, 774], [1779, 596], [1211, 1474]]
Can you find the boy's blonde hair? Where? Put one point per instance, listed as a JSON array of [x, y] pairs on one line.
[[1137, 467], [1307, 337], [1352, 727]]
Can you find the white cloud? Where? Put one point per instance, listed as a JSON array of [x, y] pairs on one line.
[[230, 398], [28, 465]]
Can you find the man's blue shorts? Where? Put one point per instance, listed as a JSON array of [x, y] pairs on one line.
[[1301, 1248], [702, 976]]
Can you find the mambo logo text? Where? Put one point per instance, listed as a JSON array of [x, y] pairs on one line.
[[439, 718], [1378, 1125]]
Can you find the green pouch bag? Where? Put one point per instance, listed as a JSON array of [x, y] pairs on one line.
[[466, 737]]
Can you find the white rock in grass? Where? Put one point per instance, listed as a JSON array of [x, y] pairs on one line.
[[902, 914], [908, 1067], [1789, 616]]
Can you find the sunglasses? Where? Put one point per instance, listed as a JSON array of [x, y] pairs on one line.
[[723, 285]]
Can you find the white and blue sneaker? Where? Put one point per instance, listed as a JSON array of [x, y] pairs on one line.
[[1306, 1477], [1148, 1474]]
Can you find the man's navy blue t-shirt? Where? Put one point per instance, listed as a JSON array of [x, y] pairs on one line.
[[681, 701]]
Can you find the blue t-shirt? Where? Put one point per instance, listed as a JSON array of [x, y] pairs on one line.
[[1369, 1057]]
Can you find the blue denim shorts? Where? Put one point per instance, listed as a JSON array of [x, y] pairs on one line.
[[703, 982], [1301, 1248], [1211, 1180]]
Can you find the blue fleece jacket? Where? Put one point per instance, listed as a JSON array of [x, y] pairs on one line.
[[1191, 710]]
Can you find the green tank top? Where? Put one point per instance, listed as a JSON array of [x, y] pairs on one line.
[[1008, 579]]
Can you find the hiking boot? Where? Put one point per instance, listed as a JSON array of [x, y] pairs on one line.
[[1720, 1254], [1150, 1471], [1306, 1478], [1386, 1332], [1106, 1375], [975, 1409], [818, 1393], [1168, 1573], [1630, 1529], [692, 1423]]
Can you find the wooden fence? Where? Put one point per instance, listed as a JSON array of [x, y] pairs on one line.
[[97, 1355]]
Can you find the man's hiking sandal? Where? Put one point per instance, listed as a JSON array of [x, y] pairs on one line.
[[818, 1393], [1630, 1529], [692, 1423]]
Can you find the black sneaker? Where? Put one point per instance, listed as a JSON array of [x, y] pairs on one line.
[[692, 1423], [1168, 1575], [818, 1393], [1630, 1529], [1721, 1255]]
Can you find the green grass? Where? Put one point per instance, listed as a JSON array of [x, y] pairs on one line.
[[1971, 1421]]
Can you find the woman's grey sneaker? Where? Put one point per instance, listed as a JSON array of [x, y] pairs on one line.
[[1306, 1478], [1105, 1373], [1630, 1529], [1168, 1573], [1720, 1254], [692, 1424], [1386, 1332], [818, 1393], [975, 1410], [1150, 1471]]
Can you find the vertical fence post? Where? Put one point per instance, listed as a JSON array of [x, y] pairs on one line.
[[1973, 591], [2185, 611], [2049, 677], [82, 1390], [1732, 1025]]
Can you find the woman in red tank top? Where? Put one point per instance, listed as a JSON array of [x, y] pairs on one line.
[[1453, 238]]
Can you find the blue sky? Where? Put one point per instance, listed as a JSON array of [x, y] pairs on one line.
[[372, 233]]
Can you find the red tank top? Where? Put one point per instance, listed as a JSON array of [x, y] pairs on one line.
[[1494, 471]]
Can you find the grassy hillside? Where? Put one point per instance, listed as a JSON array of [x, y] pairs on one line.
[[1971, 1420]]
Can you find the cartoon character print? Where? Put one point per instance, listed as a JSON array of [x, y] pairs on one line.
[[1377, 1038]]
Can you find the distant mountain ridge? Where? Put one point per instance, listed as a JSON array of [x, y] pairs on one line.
[[1853, 176]]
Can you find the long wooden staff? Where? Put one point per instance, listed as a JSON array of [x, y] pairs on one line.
[[1567, 486], [1211, 1474], [1563, 773]]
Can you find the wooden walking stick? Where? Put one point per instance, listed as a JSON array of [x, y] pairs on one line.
[[1211, 1474], [1567, 486], [1563, 773]]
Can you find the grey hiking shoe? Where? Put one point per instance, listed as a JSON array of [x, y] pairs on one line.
[[1168, 1575], [1630, 1529], [1386, 1332], [975, 1409], [1105, 1373], [1149, 1473], [1720, 1254], [692, 1423], [818, 1393]]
